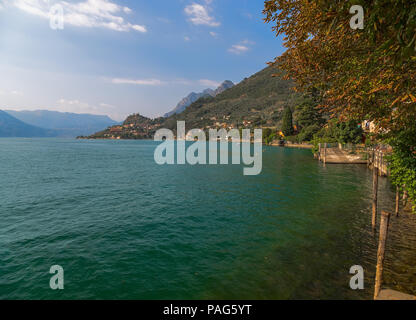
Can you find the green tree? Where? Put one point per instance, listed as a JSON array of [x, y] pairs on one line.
[[308, 119], [403, 161], [269, 135], [287, 122], [308, 132], [342, 132], [307, 114]]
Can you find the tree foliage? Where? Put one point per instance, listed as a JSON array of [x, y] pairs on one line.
[[308, 119], [403, 162], [361, 74], [287, 122], [269, 135], [341, 132]]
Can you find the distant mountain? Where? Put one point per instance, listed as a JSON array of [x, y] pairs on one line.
[[191, 98], [256, 102], [65, 124], [227, 84], [12, 127]]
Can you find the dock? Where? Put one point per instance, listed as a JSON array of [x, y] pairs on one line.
[[388, 294], [330, 153]]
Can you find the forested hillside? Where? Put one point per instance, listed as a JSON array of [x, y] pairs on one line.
[[256, 102]]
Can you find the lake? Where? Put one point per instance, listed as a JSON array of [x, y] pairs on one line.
[[123, 227]]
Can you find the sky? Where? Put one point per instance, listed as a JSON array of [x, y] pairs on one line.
[[118, 57]]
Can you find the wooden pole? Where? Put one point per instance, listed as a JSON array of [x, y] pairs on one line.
[[373, 158], [325, 146], [397, 200], [405, 196], [384, 164], [384, 225], [375, 192], [319, 153], [380, 166]]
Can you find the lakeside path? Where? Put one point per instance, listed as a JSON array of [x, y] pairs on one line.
[[300, 146]]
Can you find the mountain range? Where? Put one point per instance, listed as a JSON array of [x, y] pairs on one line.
[[192, 97], [12, 127], [43, 123]]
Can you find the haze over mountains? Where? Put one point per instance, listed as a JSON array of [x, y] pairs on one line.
[[43, 123], [192, 97], [12, 127], [68, 124]]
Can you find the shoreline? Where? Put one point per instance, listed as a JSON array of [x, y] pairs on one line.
[[298, 146]]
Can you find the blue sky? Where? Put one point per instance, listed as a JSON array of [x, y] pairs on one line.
[[118, 57]]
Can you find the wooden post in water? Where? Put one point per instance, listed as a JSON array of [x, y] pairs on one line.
[[404, 196], [375, 192], [384, 225], [319, 153], [397, 200], [379, 163], [325, 146], [373, 158]]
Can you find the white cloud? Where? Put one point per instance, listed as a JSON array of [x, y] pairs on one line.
[[241, 47], [88, 13], [238, 49], [213, 34], [209, 83], [187, 38], [11, 92], [157, 82], [71, 102], [106, 105], [248, 42], [139, 82], [77, 106], [199, 15]]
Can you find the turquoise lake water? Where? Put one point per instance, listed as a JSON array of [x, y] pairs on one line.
[[123, 227]]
